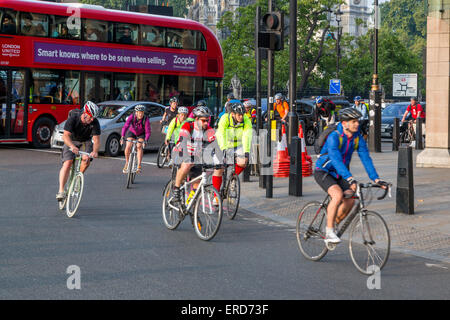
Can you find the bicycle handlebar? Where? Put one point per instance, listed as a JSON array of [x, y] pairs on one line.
[[375, 185], [82, 153]]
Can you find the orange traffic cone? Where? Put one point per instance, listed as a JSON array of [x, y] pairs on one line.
[[282, 163], [306, 159]]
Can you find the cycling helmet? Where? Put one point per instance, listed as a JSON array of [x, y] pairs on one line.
[[357, 98], [91, 109], [139, 107], [183, 110], [201, 103], [319, 100], [230, 96], [173, 99], [279, 96], [237, 107], [349, 114], [202, 112], [247, 103]]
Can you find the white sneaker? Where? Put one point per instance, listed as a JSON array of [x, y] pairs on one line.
[[331, 237]]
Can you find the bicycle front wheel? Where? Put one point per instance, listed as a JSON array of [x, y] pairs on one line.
[[232, 197], [130, 170], [207, 213], [369, 242], [162, 155], [74, 195], [171, 217], [311, 224]]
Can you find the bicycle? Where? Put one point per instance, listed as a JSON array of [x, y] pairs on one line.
[[231, 192], [132, 163], [407, 134], [205, 216], [74, 187], [368, 231]]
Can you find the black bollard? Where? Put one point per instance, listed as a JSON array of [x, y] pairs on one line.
[[396, 134], [419, 137], [246, 172], [292, 120], [405, 183], [295, 170]]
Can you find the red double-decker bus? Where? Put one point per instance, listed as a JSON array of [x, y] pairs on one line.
[[55, 56]]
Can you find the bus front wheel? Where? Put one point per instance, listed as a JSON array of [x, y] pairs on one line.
[[42, 132]]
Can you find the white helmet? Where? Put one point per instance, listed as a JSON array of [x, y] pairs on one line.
[[247, 103], [183, 110], [91, 109]]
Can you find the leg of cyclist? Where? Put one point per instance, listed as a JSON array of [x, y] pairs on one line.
[[182, 173], [140, 153], [63, 176], [337, 195], [85, 162]]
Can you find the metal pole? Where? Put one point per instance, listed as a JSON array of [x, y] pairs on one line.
[[292, 116], [258, 95], [270, 67]]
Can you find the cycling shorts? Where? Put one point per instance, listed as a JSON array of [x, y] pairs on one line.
[[325, 181], [67, 154]]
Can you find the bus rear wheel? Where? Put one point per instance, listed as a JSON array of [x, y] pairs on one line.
[[42, 132]]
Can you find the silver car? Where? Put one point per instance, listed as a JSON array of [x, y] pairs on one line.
[[112, 120]]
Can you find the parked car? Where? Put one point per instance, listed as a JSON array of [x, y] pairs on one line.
[[112, 119], [305, 112], [392, 111]]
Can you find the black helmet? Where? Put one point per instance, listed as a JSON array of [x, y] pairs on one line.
[[230, 96], [237, 107], [349, 114], [201, 103], [201, 112]]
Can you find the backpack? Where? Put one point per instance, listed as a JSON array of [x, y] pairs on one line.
[[318, 145]]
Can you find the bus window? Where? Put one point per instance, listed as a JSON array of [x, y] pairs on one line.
[[46, 86], [9, 22], [124, 87], [72, 87], [33, 24], [174, 38], [188, 40], [59, 29], [126, 33], [149, 88], [152, 36], [89, 87], [200, 42], [105, 87], [96, 30]]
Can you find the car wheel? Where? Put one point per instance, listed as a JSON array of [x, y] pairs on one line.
[[310, 137], [42, 132], [112, 147]]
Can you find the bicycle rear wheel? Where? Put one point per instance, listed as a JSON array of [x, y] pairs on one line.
[[311, 224], [171, 217], [369, 242], [207, 216], [232, 197], [74, 195]]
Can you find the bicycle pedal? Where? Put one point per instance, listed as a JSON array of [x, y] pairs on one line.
[[331, 246]]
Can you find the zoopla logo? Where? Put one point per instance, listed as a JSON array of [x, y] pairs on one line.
[[184, 61]]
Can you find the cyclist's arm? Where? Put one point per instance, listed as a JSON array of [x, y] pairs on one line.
[[247, 135], [126, 126], [148, 129], [96, 140], [170, 129], [364, 155], [67, 138], [335, 156], [222, 131], [404, 115]]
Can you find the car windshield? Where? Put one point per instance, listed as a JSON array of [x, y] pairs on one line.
[[110, 111], [394, 110]]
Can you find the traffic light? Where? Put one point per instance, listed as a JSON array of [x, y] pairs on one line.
[[271, 36]]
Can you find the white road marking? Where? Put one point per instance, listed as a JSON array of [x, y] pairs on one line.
[[430, 265]]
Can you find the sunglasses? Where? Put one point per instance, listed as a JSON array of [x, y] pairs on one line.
[[204, 120]]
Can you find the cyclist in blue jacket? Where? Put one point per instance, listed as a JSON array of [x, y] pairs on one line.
[[332, 171]]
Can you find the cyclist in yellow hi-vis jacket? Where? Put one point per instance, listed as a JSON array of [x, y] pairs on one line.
[[234, 136]]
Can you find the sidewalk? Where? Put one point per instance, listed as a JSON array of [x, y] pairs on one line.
[[425, 234]]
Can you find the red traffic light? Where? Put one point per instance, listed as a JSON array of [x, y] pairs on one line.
[[271, 21]]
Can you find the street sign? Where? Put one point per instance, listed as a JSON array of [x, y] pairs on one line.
[[335, 86], [404, 85]]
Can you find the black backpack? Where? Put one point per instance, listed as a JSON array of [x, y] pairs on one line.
[[318, 145]]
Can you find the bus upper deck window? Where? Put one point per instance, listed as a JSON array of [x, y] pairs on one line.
[[8, 23], [152, 36], [33, 24]]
